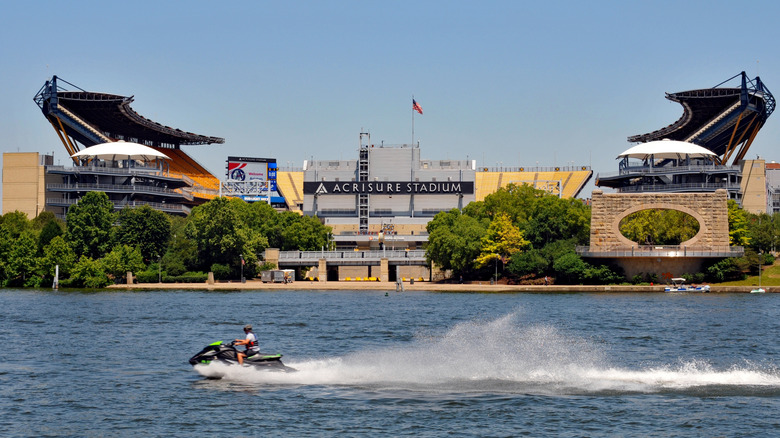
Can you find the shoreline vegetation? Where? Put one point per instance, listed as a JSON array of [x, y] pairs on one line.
[[770, 281], [534, 236], [474, 287]]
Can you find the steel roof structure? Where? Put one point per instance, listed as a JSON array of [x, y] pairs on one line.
[[91, 118], [722, 119]]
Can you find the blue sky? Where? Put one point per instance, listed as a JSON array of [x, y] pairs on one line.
[[509, 82]]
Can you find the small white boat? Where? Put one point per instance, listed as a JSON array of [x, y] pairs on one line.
[[759, 290], [678, 285]]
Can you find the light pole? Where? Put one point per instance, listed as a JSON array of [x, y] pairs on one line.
[[242, 267], [496, 275]]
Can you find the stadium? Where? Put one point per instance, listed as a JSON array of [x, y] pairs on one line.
[[175, 182], [380, 202]]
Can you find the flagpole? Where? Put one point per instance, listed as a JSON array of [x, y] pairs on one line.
[[412, 121]]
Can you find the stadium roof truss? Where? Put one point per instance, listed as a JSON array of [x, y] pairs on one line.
[[90, 118], [723, 120]]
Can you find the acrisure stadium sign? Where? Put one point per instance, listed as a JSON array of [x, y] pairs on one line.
[[388, 188]]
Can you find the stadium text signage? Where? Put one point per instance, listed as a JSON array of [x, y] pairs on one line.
[[388, 188]]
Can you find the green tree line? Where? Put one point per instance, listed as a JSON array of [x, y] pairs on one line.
[[520, 233], [97, 246]]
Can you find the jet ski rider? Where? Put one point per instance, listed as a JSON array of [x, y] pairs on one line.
[[252, 347]]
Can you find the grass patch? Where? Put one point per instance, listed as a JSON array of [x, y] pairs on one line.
[[770, 277]]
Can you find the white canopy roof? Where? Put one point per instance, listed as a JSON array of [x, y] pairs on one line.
[[120, 150], [667, 149]]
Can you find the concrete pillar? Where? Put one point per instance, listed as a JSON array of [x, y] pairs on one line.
[[129, 278], [322, 270], [384, 269], [272, 256], [210, 279]]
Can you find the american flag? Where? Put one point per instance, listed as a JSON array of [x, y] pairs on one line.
[[416, 106]]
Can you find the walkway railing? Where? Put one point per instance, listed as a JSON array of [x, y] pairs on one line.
[[130, 171], [662, 251], [500, 168], [647, 170], [123, 188], [688, 187], [416, 257], [61, 202]]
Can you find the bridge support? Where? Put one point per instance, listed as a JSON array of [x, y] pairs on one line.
[[322, 271], [711, 242], [384, 270], [272, 256]]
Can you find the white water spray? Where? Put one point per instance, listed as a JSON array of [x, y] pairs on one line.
[[500, 356]]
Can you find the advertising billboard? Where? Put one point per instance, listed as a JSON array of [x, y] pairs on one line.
[[248, 169]]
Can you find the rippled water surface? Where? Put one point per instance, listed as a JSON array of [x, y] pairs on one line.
[[423, 364]]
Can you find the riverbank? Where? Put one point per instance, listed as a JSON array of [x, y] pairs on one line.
[[484, 287]]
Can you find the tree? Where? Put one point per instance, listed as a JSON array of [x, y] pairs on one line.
[[121, 259], [515, 200], [222, 237], [182, 252], [145, 228], [728, 269], [542, 217], [530, 262], [454, 240], [49, 231], [274, 226], [305, 233], [57, 252], [44, 218], [88, 273], [217, 232], [21, 262], [738, 225], [6, 243], [570, 268], [16, 223], [89, 225], [502, 240], [551, 218], [763, 232]]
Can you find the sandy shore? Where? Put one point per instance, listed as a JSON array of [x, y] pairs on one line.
[[484, 287]]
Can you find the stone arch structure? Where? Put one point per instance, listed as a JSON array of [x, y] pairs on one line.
[[608, 209]]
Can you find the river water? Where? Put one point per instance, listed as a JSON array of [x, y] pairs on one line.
[[402, 364]]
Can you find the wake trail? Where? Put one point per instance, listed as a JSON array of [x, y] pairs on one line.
[[503, 355]]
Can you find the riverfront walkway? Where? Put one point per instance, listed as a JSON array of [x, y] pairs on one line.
[[484, 287]]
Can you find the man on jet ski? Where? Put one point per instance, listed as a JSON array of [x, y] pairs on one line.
[[252, 347]]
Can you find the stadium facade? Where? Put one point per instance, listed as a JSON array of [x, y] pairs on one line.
[[82, 119], [386, 196]]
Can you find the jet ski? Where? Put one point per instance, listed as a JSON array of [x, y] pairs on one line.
[[222, 353]]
